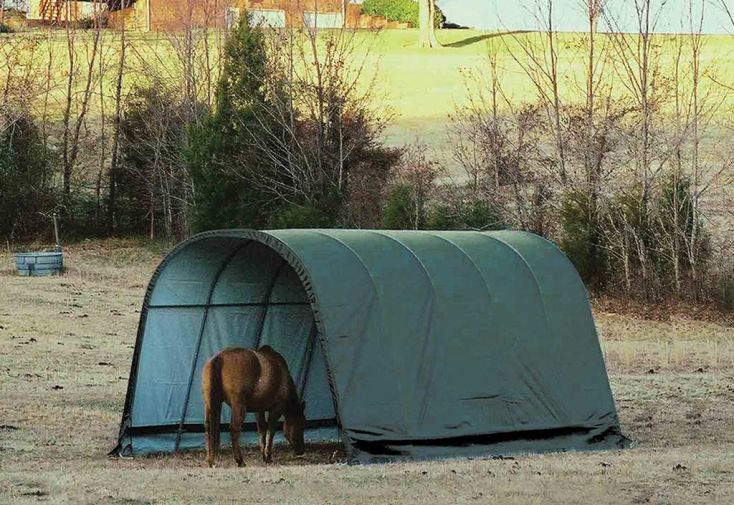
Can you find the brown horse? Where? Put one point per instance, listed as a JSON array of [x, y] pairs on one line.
[[251, 381]]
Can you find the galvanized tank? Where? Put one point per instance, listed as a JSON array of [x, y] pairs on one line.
[[39, 263]]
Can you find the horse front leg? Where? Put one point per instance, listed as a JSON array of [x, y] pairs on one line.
[[262, 432], [272, 424]]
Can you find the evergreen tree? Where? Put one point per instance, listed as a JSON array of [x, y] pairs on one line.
[[220, 150]]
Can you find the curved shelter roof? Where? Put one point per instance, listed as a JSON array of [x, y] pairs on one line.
[[405, 343]]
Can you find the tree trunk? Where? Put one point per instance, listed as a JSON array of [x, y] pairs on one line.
[[426, 10], [69, 98], [115, 151]]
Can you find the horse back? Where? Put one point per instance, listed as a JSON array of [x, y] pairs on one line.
[[260, 378]]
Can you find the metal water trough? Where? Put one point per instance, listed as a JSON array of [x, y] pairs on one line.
[[39, 263], [36, 264]]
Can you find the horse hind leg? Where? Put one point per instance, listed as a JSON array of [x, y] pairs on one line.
[[212, 416], [272, 424], [235, 424], [262, 431]]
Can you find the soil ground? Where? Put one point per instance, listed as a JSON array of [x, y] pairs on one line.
[[65, 350]]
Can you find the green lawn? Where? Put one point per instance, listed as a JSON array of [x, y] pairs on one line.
[[421, 87]]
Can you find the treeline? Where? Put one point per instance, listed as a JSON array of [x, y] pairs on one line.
[[626, 167], [269, 129]]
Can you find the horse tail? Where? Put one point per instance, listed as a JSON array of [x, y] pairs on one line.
[[211, 388]]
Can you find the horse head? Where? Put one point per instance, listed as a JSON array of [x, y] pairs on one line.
[[293, 427]]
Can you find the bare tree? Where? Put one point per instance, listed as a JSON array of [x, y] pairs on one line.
[[537, 55], [419, 175], [697, 107], [118, 100], [77, 102], [318, 118], [498, 145], [638, 57]]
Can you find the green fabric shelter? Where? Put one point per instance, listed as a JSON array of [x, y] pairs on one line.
[[404, 344]]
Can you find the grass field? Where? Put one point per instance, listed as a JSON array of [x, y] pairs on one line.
[[420, 87], [65, 349]]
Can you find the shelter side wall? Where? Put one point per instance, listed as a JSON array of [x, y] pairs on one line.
[[574, 341], [442, 335]]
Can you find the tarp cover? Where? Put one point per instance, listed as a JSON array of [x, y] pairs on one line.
[[412, 344]]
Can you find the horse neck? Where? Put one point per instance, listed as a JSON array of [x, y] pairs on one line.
[[292, 403]]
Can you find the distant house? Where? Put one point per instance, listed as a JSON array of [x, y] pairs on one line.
[[281, 13], [176, 15], [54, 11], [170, 15]]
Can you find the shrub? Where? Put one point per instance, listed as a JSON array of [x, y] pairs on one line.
[[5, 28], [84, 215], [581, 236], [444, 217], [304, 216], [457, 213], [399, 213], [720, 283], [683, 248], [26, 174], [480, 215], [402, 11], [368, 179]]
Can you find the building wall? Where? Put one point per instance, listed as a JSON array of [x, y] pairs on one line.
[[134, 17], [178, 15], [295, 5], [174, 15], [294, 9]]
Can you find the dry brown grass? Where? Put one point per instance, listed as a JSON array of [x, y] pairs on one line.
[[77, 332]]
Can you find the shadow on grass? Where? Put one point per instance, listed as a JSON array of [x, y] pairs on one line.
[[478, 38]]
